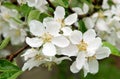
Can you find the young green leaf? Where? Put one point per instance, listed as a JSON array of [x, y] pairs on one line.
[[4, 43], [33, 15], [8, 70], [113, 48], [64, 3]]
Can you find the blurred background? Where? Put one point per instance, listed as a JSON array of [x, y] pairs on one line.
[[109, 68]]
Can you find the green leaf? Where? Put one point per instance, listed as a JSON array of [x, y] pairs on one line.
[[25, 9], [81, 26], [33, 15], [8, 70], [10, 5], [42, 16], [113, 48], [4, 43], [64, 3]]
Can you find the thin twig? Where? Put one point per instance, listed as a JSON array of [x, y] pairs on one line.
[[14, 55], [50, 4]]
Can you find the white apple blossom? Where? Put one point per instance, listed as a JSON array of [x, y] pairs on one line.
[[89, 47], [38, 4], [8, 14], [35, 58], [21, 1], [47, 35], [59, 16], [81, 11], [116, 1]]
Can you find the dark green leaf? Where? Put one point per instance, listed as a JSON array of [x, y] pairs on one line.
[[81, 26], [8, 70]]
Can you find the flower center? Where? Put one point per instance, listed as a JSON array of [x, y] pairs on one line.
[[6, 16], [17, 33], [47, 37], [82, 46], [39, 57]]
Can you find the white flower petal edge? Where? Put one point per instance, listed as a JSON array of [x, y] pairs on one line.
[[71, 19], [60, 41], [34, 42], [36, 28], [59, 12], [103, 52], [49, 49], [76, 37]]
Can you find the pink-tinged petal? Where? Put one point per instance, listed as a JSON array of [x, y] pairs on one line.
[[71, 19], [36, 28], [73, 68], [89, 35], [103, 52], [49, 49], [80, 60], [59, 13], [34, 42], [76, 37], [93, 66], [71, 50], [60, 41]]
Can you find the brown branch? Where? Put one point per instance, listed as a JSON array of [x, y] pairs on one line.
[[50, 4], [14, 55]]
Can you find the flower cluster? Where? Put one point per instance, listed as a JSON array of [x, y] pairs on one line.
[[54, 33], [55, 37]]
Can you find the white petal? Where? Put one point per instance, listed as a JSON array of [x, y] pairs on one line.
[[36, 28], [73, 68], [59, 60], [31, 3], [78, 10], [103, 52], [71, 19], [86, 68], [76, 37], [49, 49], [59, 13], [93, 66], [53, 28], [30, 64], [102, 25], [34, 42], [71, 50], [85, 8], [89, 35], [66, 31], [94, 45], [60, 41], [89, 23], [29, 54], [80, 60]]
